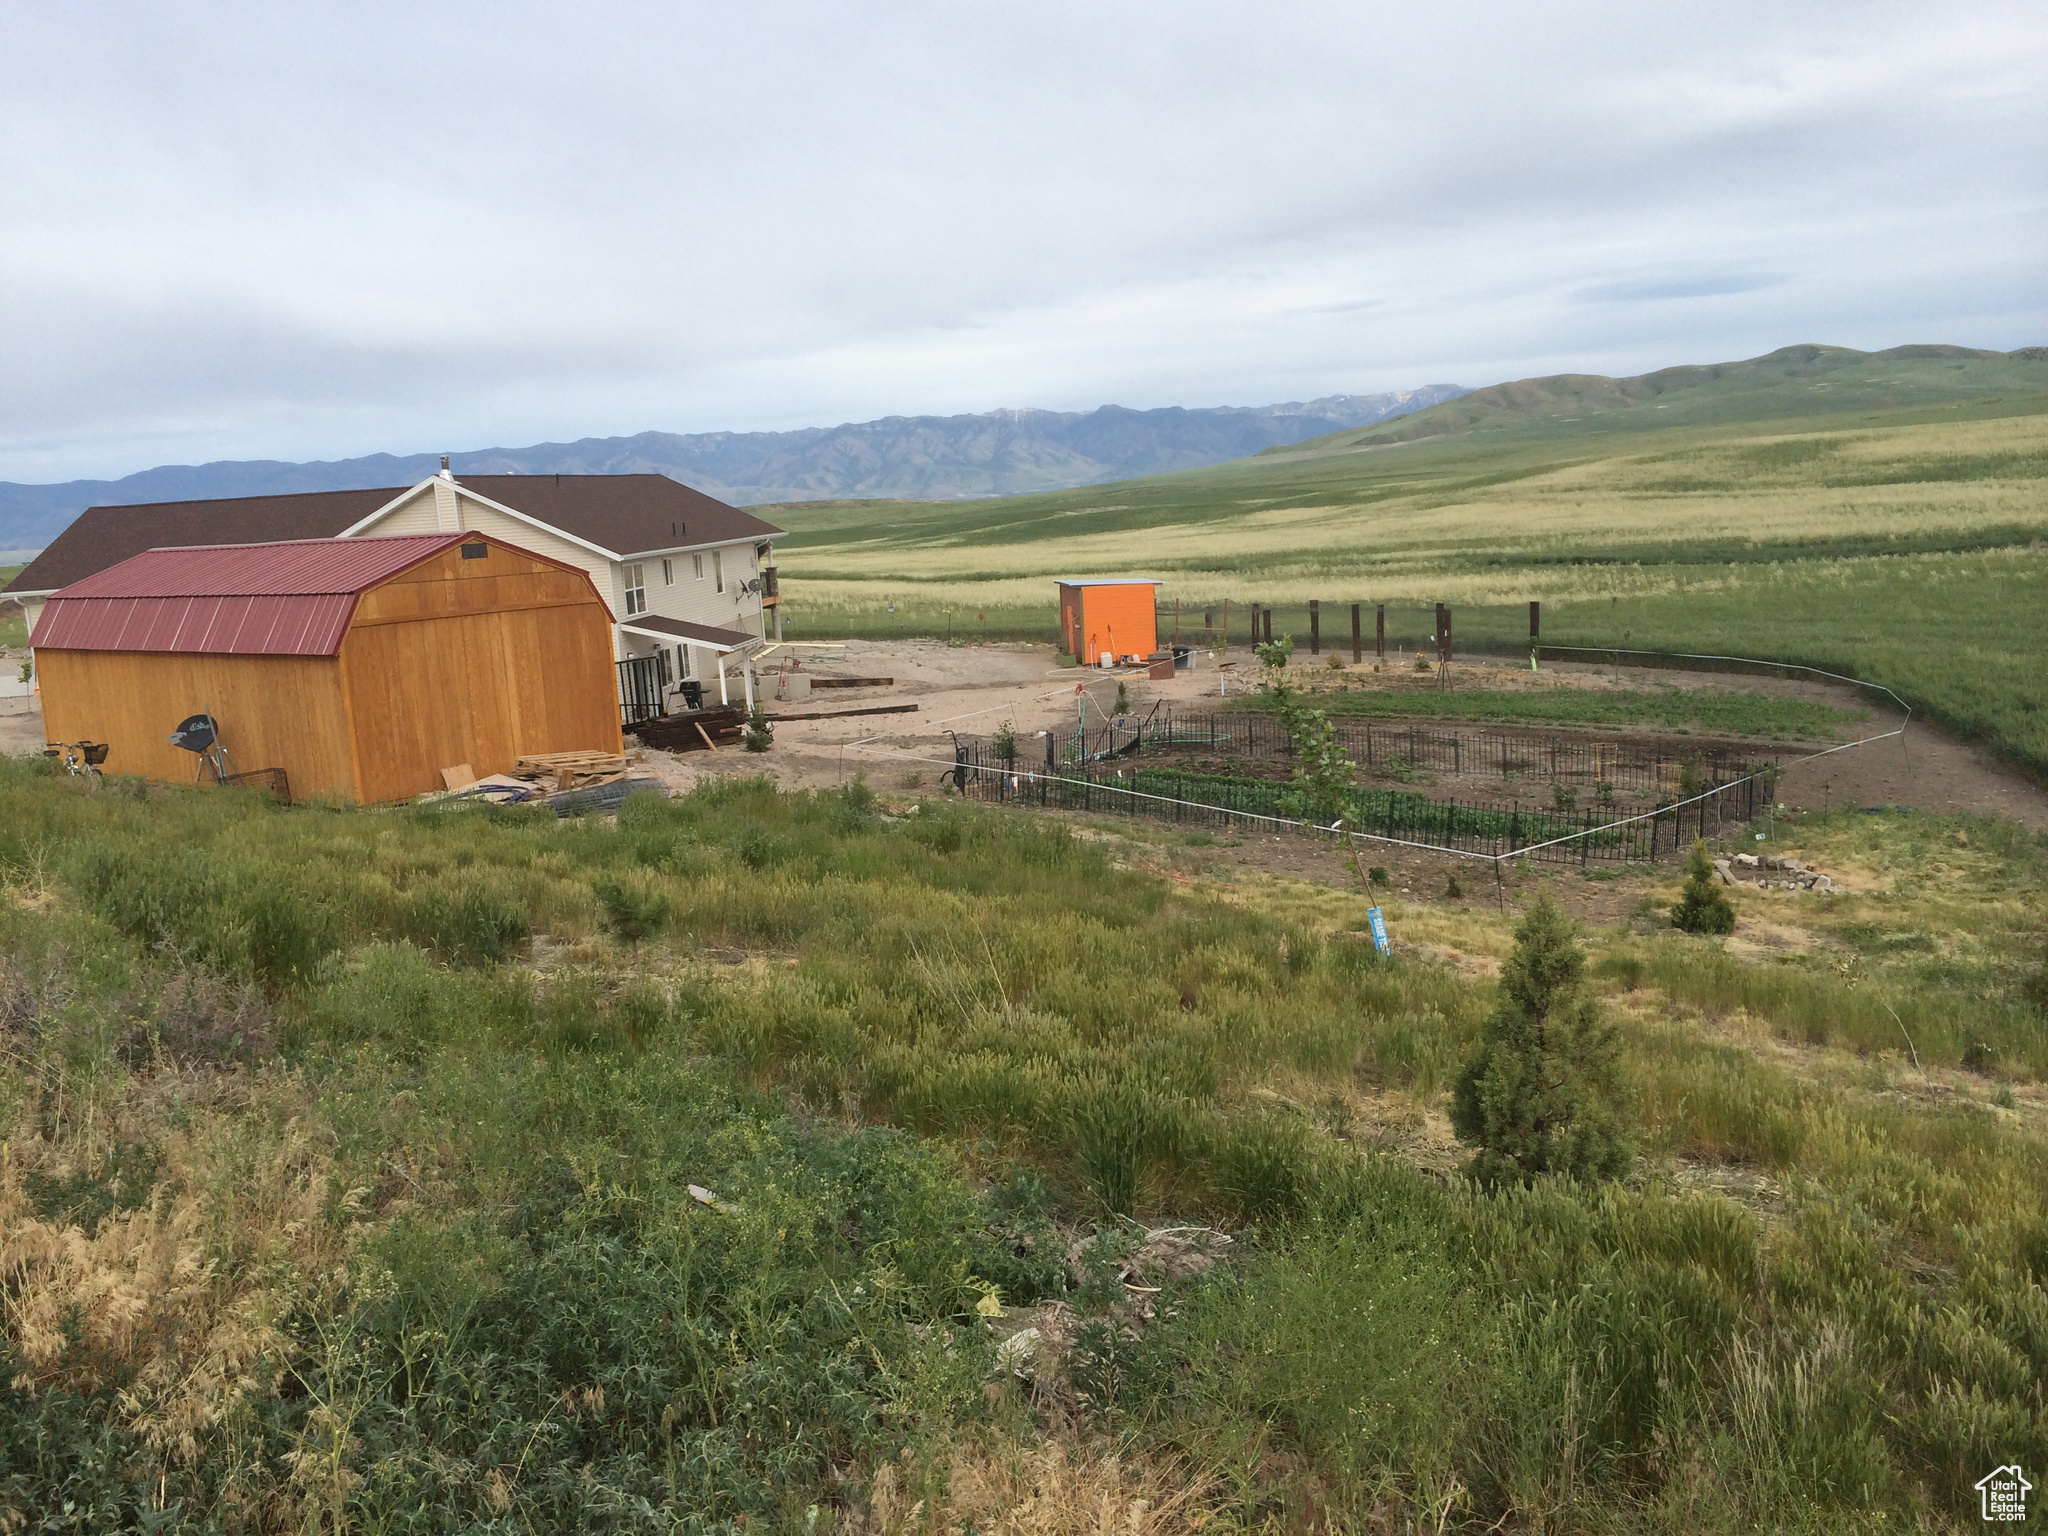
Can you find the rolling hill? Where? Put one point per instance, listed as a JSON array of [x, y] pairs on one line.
[[1792, 381]]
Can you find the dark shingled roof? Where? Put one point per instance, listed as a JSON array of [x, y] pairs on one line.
[[627, 514], [104, 536]]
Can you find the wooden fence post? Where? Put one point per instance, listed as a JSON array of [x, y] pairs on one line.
[[1380, 625], [1315, 627], [1357, 645]]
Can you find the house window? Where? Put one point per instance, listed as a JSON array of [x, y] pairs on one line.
[[636, 590], [682, 661], [718, 568], [668, 573], [698, 562]]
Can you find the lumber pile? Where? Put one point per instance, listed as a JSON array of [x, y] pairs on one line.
[[556, 771], [573, 783], [694, 730]]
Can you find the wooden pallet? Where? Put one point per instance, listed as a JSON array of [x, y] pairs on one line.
[[571, 770]]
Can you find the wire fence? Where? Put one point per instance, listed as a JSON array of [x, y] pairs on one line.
[[1483, 828]]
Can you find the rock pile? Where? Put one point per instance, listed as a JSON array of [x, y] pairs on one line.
[[1771, 874]]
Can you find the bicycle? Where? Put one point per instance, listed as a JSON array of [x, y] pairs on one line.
[[82, 759]]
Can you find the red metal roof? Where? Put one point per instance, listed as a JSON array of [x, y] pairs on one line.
[[291, 599]]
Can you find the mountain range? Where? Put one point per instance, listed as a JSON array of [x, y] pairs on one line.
[[939, 458]]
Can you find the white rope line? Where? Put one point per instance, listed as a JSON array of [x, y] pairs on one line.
[[1789, 666], [1495, 859]]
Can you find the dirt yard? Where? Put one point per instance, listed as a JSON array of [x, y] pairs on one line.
[[975, 689]]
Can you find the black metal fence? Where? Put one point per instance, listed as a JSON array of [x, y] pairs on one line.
[[642, 682], [1643, 767], [1128, 785], [1647, 768]]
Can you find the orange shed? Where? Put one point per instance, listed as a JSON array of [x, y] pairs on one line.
[[361, 667], [1115, 616]]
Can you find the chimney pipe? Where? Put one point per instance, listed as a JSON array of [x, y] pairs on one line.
[[444, 468]]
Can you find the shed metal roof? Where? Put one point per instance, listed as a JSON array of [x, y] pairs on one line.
[[292, 599], [1108, 581]]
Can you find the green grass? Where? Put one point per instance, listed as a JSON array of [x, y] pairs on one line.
[[387, 1126], [13, 627], [1732, 713]]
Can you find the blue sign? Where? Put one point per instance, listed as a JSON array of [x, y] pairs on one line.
[[1379, 931]]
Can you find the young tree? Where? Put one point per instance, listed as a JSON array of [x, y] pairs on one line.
[[1704, 906], [760, 732], [1543, 1092], [1322, 773]]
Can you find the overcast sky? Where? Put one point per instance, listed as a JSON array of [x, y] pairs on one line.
[[310, 231]]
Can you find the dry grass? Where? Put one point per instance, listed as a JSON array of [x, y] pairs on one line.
[[1057, 1488], [177, 1302]]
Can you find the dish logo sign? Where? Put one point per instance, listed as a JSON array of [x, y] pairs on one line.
[[2004, 1492]]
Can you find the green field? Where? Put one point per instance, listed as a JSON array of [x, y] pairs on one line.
[[350, 1167], [13, 628], [1894, 532]]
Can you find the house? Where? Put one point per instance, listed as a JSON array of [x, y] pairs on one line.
[[361, 667], [1113, 616], [689, 581]]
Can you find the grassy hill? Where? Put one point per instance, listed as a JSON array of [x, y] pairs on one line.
[[1902, 544], [454, 1171], [1790, 382]]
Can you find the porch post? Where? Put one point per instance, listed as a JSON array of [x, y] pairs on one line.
[[747, 676], [723, 697]]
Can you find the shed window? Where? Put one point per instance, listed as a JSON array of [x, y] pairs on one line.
[[636, 589], [476, 551], [668, 573], [718, 568], [698, 562]]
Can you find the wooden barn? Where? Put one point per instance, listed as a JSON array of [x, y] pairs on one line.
[[361, 667], [1113, 616]]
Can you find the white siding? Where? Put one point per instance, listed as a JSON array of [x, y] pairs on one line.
[[415, 515]]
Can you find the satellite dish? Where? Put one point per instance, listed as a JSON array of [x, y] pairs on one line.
[[200, 734], [195, 733]]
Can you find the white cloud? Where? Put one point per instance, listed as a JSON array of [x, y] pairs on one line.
[[321, 230]]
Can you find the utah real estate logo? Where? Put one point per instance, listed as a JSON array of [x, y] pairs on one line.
[[2004, 1493]]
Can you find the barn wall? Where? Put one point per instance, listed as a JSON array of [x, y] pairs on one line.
[[476, 662], [274, 711]]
